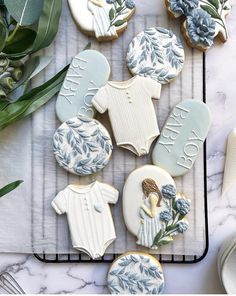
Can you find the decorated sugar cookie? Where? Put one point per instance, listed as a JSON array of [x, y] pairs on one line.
[[152, 209], [205, 20], [156, 53], [135, 273], [182, 137], [82, 146], [89, 216], [104, 19], [89, 70], [131, 111]]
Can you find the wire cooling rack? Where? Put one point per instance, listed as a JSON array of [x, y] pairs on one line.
[[180, 259]]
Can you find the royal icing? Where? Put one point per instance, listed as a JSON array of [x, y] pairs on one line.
[[205, 19], [156, 53], [135, 273], [104, 19], [153, 212], [82, 146], [89, 70], [131, 110], [230, 164], [182, 137], [89, 216]]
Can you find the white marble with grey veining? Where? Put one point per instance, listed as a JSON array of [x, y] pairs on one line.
[[37, 277]]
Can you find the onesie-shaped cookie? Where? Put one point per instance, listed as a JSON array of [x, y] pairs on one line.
[[104, 19], [205, 20], [152, 209], [131, 110], [89, 216]]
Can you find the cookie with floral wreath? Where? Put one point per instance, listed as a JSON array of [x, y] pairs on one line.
[[103, 19], [153, 211], [204, 20]]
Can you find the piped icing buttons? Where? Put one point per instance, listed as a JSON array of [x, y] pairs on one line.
[[104, 19], [182, 137], [135, 273], [153, 211], [131, 111], [82, 146], [88, 71], [205, 20], [156, 53]]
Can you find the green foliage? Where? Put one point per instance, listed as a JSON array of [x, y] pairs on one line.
[[25, 12], [8, 188]]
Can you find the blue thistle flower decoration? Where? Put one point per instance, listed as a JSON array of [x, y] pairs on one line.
[[129, 4], [168, 191], [201, 27], [182, 206], [182, 226], [165, 216], [184, 7]]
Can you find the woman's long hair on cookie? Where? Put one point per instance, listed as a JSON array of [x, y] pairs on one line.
[[149, 186]]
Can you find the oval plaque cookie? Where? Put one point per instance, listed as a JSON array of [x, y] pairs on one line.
[[182, 137], [135, 273], [156, 53], [88, 71], [82, 146]]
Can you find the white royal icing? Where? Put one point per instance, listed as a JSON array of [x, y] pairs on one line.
[[102, 18], [135, 273], [156, 53], [82, 146]]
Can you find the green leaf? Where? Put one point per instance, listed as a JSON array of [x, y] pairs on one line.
[[8, 188], [3, 32], [215, 3], [111, 14], [171, 227], [157, 238], [32, 67], [165, 241], [119, 23], [48, 24], [88, 46], [25, 12], [119, 2], [22, 40], [213, 13], [33, 100]]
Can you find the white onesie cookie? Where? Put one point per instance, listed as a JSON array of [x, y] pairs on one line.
[[104, 19], [131, 110], [89, 216]]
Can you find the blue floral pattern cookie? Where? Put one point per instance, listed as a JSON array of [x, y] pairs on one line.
[[156, 53], [82, 146], [205, 20], [136, 273]]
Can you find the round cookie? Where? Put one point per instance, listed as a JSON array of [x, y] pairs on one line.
[[152, 210], [135, 273], [204, 20], [88, 72], [103, 19], [82, 146], [157, 53]]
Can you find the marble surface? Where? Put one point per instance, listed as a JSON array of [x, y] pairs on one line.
[[36, 277]]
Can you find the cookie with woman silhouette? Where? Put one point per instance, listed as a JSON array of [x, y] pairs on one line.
[[103, 19], [153, 211]]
